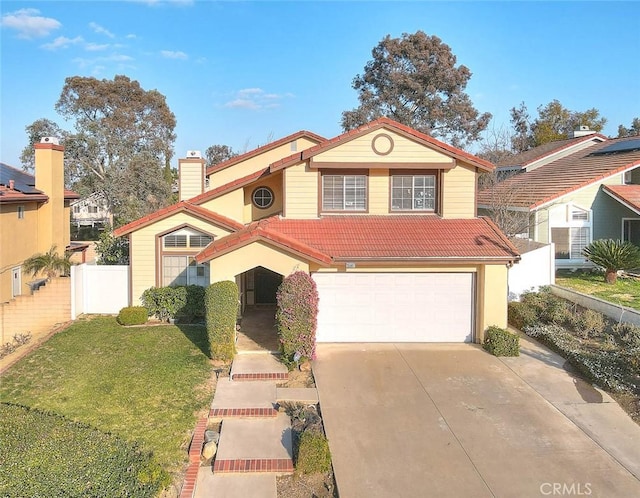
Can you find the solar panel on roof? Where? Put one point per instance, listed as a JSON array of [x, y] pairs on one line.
[[23, 182], [624, 146]]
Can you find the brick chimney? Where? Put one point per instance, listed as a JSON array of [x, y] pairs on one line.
[[191, 175], [49, 169]]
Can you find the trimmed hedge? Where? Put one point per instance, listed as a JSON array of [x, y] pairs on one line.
[[221, 303], [297, 317], [44, 454], [313, 453], [501, 342], [194, 304], [133, 315]]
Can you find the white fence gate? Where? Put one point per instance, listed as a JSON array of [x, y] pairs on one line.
[[102, 289]]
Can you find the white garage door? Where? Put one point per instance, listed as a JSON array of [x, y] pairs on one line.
[[395, 307]]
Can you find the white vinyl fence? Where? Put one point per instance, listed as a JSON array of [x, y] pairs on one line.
[[102, 289], [535, 269]]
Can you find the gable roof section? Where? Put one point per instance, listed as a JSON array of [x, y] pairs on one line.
[[629, 195], [376, 125], [264, 148], [379, 238], [535, 188], [532, 155], [228, 187], [180, 207]]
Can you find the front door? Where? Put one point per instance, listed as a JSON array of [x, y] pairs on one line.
[[266, 285], [16, 282]]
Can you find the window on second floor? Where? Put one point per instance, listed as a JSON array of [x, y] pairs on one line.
[[186, 238], [413, 193], [344, 192]]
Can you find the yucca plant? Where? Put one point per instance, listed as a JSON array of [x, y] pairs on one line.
[[612, 255], [49, 263]]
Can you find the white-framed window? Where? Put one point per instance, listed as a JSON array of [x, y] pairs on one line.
[[186, 238], [413, 193], [344, 192], [20, 212], [183, 270], [570, 228]]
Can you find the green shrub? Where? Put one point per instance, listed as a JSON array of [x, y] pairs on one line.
[[297, 317], [501, 342], [44, 454], [313, 454], [520, 314], [194, 305], [221, 303], [133, 315], [628, 333], [164, 302], [590, 323]]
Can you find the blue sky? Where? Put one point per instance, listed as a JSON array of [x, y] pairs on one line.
[[244, 73]]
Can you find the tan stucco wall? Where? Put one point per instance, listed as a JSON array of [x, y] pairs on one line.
[[404, 151], [252, 213], [143, 249], [492, 291], [227, 266], [230, 205], [257, 163], [49, 169], [458, 190]]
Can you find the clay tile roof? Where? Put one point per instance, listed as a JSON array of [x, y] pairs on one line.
[[264, 148], [378, 238], [228, 187], [375, 125], [182, 206], [627, 194], [258, 231], [551, 181]]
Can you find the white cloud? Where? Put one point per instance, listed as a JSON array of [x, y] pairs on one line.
[[100, 30], [120, 60], [154, 3], [29, 24], [62, 42], [173, 54], [96, 47], [255, 99]]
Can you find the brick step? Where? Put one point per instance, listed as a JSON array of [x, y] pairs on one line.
[[246, 465], [242, 412], [260, 376]]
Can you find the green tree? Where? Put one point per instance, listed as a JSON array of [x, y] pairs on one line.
[[35, 131], [50, 263], [632, 131], [112, 250], [554, 122], [415, 80], [218, 153], [120, 128], [613, 255]]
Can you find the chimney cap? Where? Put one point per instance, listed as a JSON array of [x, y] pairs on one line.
[[50, 140], [194, 154]]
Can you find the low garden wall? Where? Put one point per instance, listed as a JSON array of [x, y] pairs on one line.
[[613, 311]]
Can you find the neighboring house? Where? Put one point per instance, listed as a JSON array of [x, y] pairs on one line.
[[34, 215], [383, 217], [572, 192], [90, 211]]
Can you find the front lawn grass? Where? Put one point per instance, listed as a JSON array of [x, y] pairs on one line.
[[143, 384], [625, 292]]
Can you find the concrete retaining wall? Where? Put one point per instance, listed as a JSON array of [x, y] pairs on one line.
[[615, 312]]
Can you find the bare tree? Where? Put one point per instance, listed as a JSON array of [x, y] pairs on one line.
[[500, 203]]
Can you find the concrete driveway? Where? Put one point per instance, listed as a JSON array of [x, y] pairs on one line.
[[407, 420]]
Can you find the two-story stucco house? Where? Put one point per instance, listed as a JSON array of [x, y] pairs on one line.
[[383, 217], [34, 214]]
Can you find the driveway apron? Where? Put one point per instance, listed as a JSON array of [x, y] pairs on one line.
[[410, 420]]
